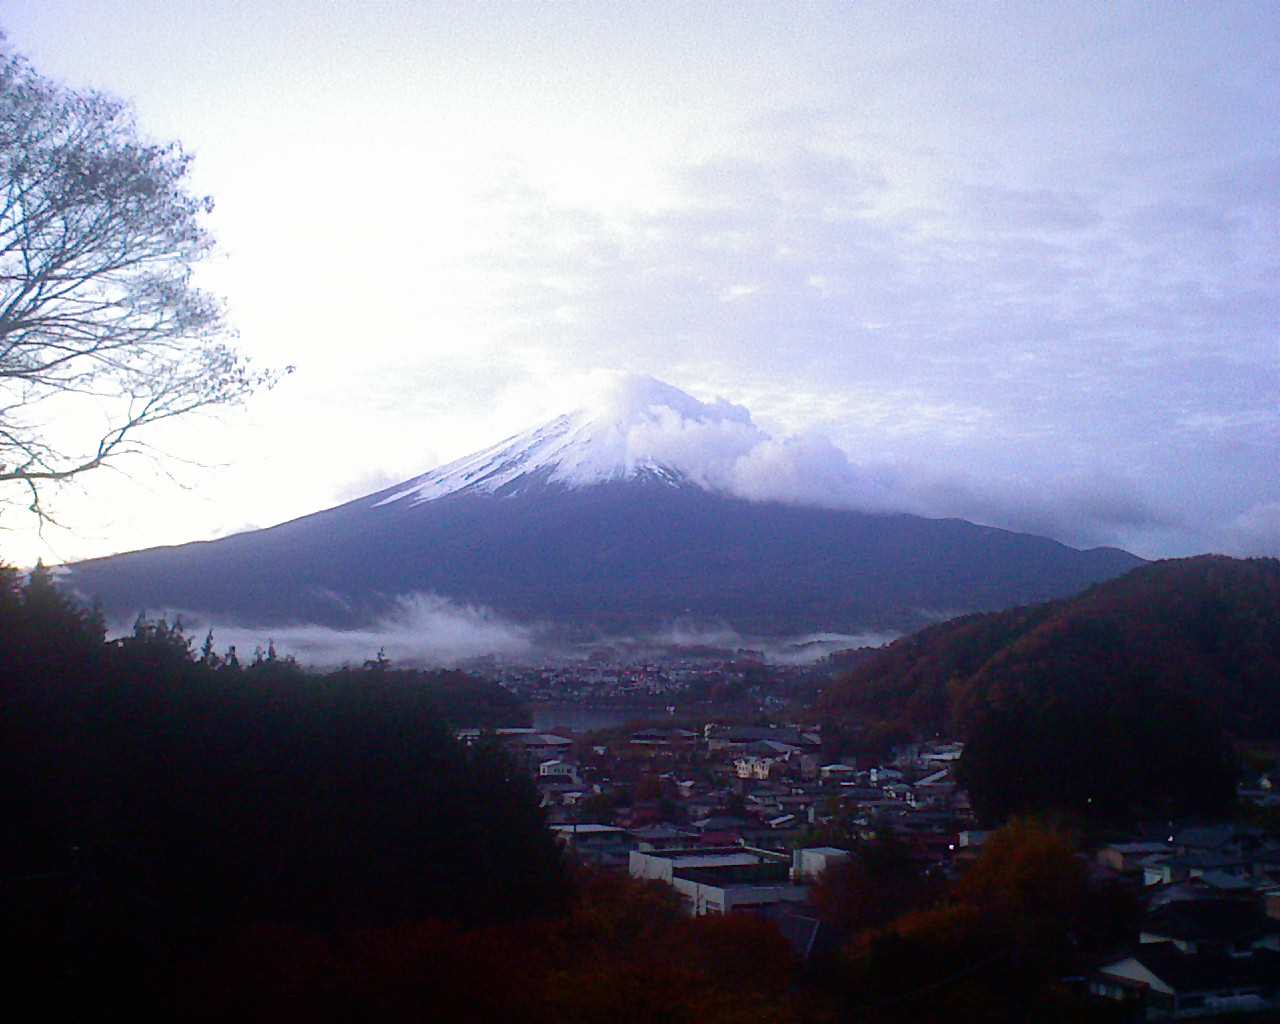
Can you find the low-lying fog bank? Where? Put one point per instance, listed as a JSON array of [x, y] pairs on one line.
[[427, 630]]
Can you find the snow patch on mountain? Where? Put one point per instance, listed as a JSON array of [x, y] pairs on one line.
[[638, 427]]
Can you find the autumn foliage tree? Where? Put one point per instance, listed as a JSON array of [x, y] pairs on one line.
[[1029, 878], [990, 949], [878, 883]]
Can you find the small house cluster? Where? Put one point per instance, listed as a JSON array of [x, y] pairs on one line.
[[737, 816], [1209, 942], [745, 818]]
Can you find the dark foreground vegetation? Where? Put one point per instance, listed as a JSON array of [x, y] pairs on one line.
[[993, 947], [158, 799], [193, 838]]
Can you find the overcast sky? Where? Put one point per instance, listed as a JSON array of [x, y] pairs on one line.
[[1021, 259]]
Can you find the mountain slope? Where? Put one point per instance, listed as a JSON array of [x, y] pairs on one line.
[[1110, 706], [1206, 629], [620, 516]]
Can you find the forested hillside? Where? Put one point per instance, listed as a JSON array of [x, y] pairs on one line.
[[1206, 627], [1113, 696]]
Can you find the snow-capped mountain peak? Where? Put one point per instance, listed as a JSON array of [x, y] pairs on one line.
[[635, 426]]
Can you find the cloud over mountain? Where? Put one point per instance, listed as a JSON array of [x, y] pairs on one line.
[[629, 423]]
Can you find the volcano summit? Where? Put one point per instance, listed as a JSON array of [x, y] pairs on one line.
[[646, 507]]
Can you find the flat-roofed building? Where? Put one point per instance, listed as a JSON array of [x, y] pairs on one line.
[[720, 880]]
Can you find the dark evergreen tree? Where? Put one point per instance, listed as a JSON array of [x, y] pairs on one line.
[[171, 804]]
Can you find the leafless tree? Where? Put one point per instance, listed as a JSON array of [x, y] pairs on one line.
[[98, 238]]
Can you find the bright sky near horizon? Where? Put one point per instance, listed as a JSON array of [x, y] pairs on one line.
[[1022, 258]]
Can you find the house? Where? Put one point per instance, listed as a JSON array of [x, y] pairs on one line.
[[602, 845], [663, 738], [719, 823], [1226, 927], [897, 791], [1219, 840], [942, 754], [752, 766], [558, 768], [1165, 983], [1196, 958], [663, 837], [855, 794], [532, 746], [1126, 858], [537, 742], [737, 737], [775, 748], [1196, 863], [704, 806], [1206, 887], [565, 794], [763, 802]]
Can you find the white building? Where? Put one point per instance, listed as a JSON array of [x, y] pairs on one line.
[[723, 879]]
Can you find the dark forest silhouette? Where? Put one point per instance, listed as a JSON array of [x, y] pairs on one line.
[[158, 796]]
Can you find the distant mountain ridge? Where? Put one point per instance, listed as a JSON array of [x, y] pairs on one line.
[[618, 517]]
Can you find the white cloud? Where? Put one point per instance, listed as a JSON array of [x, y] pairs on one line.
[[807, 469], [718, 445]]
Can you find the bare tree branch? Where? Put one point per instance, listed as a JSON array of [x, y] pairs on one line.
[[98, 238]]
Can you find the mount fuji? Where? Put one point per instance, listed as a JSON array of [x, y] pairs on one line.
[[643, 508]]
